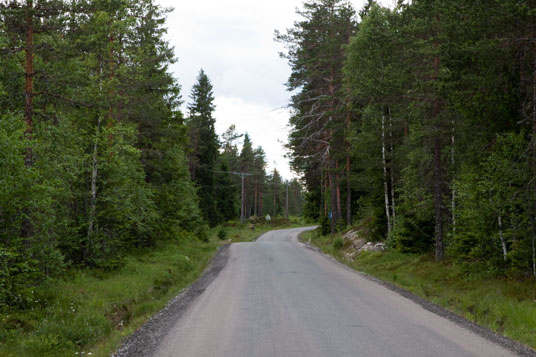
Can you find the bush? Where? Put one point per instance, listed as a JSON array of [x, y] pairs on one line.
[[202, 232], [412, 236], [257, 220], [222, 234], [338, 243]]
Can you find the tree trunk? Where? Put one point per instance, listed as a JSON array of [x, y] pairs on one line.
[[385, 184], [93, 192], [28, 88], [453, 190], [286, 204], [322, 193], [348, 184], [275, 200], [255, 203], [261, 204], [501, 236], [111, 75], [534, 164], [242, 201], [338, 186], [348, 193], [333, 199], [326, 186], [438, 176], [391, 168], [438, 200]]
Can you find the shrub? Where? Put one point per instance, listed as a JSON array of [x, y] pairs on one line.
[[338, 243], [222, 234]]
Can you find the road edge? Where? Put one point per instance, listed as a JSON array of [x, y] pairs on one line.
[[514, 346], [145, 340]]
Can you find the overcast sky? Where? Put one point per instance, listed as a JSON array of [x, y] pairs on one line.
[[232, 41]]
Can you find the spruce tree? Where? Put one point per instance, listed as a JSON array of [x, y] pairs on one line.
[[204, 146]]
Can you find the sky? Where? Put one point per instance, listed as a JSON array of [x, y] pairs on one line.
[[232, 41]]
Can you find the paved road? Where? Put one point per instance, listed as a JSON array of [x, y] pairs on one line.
[[276, 297]]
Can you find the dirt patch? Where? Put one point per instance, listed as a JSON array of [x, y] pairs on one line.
[[145, 340], [120, 315]]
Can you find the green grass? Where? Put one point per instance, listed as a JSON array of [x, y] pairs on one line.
[[92, 311], [506, 305]]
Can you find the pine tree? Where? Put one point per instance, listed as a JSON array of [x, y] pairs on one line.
[[315, 53]]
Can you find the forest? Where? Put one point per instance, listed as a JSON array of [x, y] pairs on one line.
[[414, 123], [96, 157], [418, 124]]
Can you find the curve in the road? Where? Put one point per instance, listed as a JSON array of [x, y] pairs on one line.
[[275, 297]]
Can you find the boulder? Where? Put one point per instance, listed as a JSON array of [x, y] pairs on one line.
[[370, 246], [353, 237]]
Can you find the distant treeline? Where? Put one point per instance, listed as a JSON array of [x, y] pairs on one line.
[[419, 123], [96, 158], [217, 165]]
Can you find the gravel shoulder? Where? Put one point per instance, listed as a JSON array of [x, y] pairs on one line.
[[514, 346], [145, 340]]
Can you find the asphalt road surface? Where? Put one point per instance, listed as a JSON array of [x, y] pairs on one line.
[[276, 297]]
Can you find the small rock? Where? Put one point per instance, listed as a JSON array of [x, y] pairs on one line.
[[350, 256], [370, 246], [379, 247]]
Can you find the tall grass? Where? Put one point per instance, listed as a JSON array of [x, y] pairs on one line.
[[89, 311]]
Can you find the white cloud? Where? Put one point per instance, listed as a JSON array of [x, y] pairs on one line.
[[232, 41]]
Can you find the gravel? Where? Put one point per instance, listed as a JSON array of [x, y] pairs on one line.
[[145, 340], [514, 346]]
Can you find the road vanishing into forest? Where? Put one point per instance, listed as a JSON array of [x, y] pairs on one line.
[[277, 297]]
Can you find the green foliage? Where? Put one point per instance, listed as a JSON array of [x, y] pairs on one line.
[[28, 244], [311, 209], [96, 310], [411, 235], [436, 110], [204, 146], [492, 190], [315, 52], [222, 234], [338, 243], [102, 170]]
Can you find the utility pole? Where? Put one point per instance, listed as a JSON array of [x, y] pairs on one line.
[[242, 199], [286, 204]]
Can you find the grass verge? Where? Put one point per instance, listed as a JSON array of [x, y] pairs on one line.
[[88, 312], [506, 305]]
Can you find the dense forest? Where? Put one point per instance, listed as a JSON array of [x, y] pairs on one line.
[[418, 122], [96, 157]]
